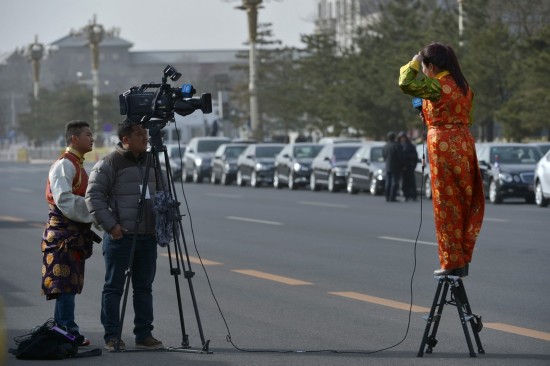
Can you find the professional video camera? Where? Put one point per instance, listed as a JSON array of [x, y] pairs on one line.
[[140, 106]]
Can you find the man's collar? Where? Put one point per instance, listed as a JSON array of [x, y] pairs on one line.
[[75, 153]]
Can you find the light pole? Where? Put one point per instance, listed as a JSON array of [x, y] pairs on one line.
[[95, 33], [35, 52], [251, 7], [460, 23]]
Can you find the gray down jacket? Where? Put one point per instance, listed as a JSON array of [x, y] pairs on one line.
[[114, 191]]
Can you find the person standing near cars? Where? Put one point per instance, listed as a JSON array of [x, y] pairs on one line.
[[410, 159], [113, 198], [392, 156], [458, 198], [68, 239]]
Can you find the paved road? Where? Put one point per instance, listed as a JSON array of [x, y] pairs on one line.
[[301, 270]]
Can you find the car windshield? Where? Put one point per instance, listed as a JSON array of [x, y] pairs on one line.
[[344, 153], [377, 154], [267, 151], [308, 151], [515, 154], [209, 145], [175, 151], [234, 151]]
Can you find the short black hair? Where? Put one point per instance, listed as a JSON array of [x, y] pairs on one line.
[[124, 129], [74, 128]]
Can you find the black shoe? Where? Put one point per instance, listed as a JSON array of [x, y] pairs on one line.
[[460, 272]]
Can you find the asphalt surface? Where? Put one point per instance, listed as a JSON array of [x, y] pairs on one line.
[[302, 277]]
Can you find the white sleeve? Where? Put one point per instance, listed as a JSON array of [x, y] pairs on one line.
[[61, 178]]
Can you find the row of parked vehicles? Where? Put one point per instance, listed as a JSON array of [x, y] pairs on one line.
[[508, 169]]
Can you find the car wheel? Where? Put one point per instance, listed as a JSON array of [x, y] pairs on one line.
[[186, 177], [224, 179], [213, 179], [372, 186], [350, 187], [313, 183], [428, 188], [197, 178], [494, 196], [254, 179], [240, 180], [331, 186], [539, 197], [276, 183], [291, 184]]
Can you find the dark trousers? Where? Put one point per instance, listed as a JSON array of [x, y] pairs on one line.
[[64, 313], [117, 254], [409, 184], [392, 185]]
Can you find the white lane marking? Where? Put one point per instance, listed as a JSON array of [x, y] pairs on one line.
[[406, 240], [256, 221], [323, 204], [495, 220], [24, 190]]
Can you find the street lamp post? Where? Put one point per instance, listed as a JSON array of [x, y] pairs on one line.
[[251, 7], [460, 23], [35, 52], [95, 33]]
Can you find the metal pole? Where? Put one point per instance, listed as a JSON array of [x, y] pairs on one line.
[[95, 33], [460, 23], [35, 54]]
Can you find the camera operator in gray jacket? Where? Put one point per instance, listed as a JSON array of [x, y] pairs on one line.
[[113, 198]]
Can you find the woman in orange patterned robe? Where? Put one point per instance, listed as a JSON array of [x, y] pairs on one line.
[[458, 199]]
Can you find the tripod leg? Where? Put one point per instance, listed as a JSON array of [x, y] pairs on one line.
[[176, 271], [431, 339], [459, 296], [430, 319], [473, 324]]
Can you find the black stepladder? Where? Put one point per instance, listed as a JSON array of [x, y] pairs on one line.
[[460, 301], [179, 259]]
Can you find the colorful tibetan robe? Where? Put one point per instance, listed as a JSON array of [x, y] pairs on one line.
[[457, 188]]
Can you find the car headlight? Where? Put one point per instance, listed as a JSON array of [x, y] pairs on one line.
[[505, 177], [198, 162], [380, 174], [297, 167], [227, 167]]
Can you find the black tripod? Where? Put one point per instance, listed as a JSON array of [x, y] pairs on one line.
[[173, 217]]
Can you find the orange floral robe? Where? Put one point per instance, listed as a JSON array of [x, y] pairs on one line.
[[457, 188]]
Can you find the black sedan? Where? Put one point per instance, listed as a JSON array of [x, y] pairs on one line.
[[293, 164], [366, 170], [255, 164], [224, 163], [508, 170], [328, 169]]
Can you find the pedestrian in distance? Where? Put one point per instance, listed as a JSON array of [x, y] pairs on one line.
[[410, 159], [458, 198], [393, 158], [114, 198], [68, 240]]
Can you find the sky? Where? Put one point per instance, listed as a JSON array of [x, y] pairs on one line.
[[154, 24]]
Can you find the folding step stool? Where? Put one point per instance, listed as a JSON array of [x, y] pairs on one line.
[[458, 299]]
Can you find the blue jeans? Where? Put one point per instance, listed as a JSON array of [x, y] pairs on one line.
[[117, 256], [64, 313], [392, 185]]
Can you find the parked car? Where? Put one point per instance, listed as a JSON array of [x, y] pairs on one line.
[[507, 170], [543, 146], [255, 164], [422, 177], [175, 159], [337, 140], [293, 164], [366, 170], [224, 163], [542, 181], [198, 157], [328, 169]]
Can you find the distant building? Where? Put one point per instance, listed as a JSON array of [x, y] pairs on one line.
[[119, 69]]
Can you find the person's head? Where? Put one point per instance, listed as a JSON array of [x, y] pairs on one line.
[[437, 57], [78, 135], [391, 136], [133, 137], [402, 137]]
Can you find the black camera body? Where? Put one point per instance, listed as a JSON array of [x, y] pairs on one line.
[[140, 105]]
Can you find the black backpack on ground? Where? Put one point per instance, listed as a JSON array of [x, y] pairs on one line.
[[47, 343]]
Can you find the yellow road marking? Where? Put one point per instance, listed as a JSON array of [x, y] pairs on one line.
[[196, 260], [518, 330], [11, 219], [381, 301], [271, 277]]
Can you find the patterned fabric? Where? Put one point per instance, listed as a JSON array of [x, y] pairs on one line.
[[458, 198], [66, 245]]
